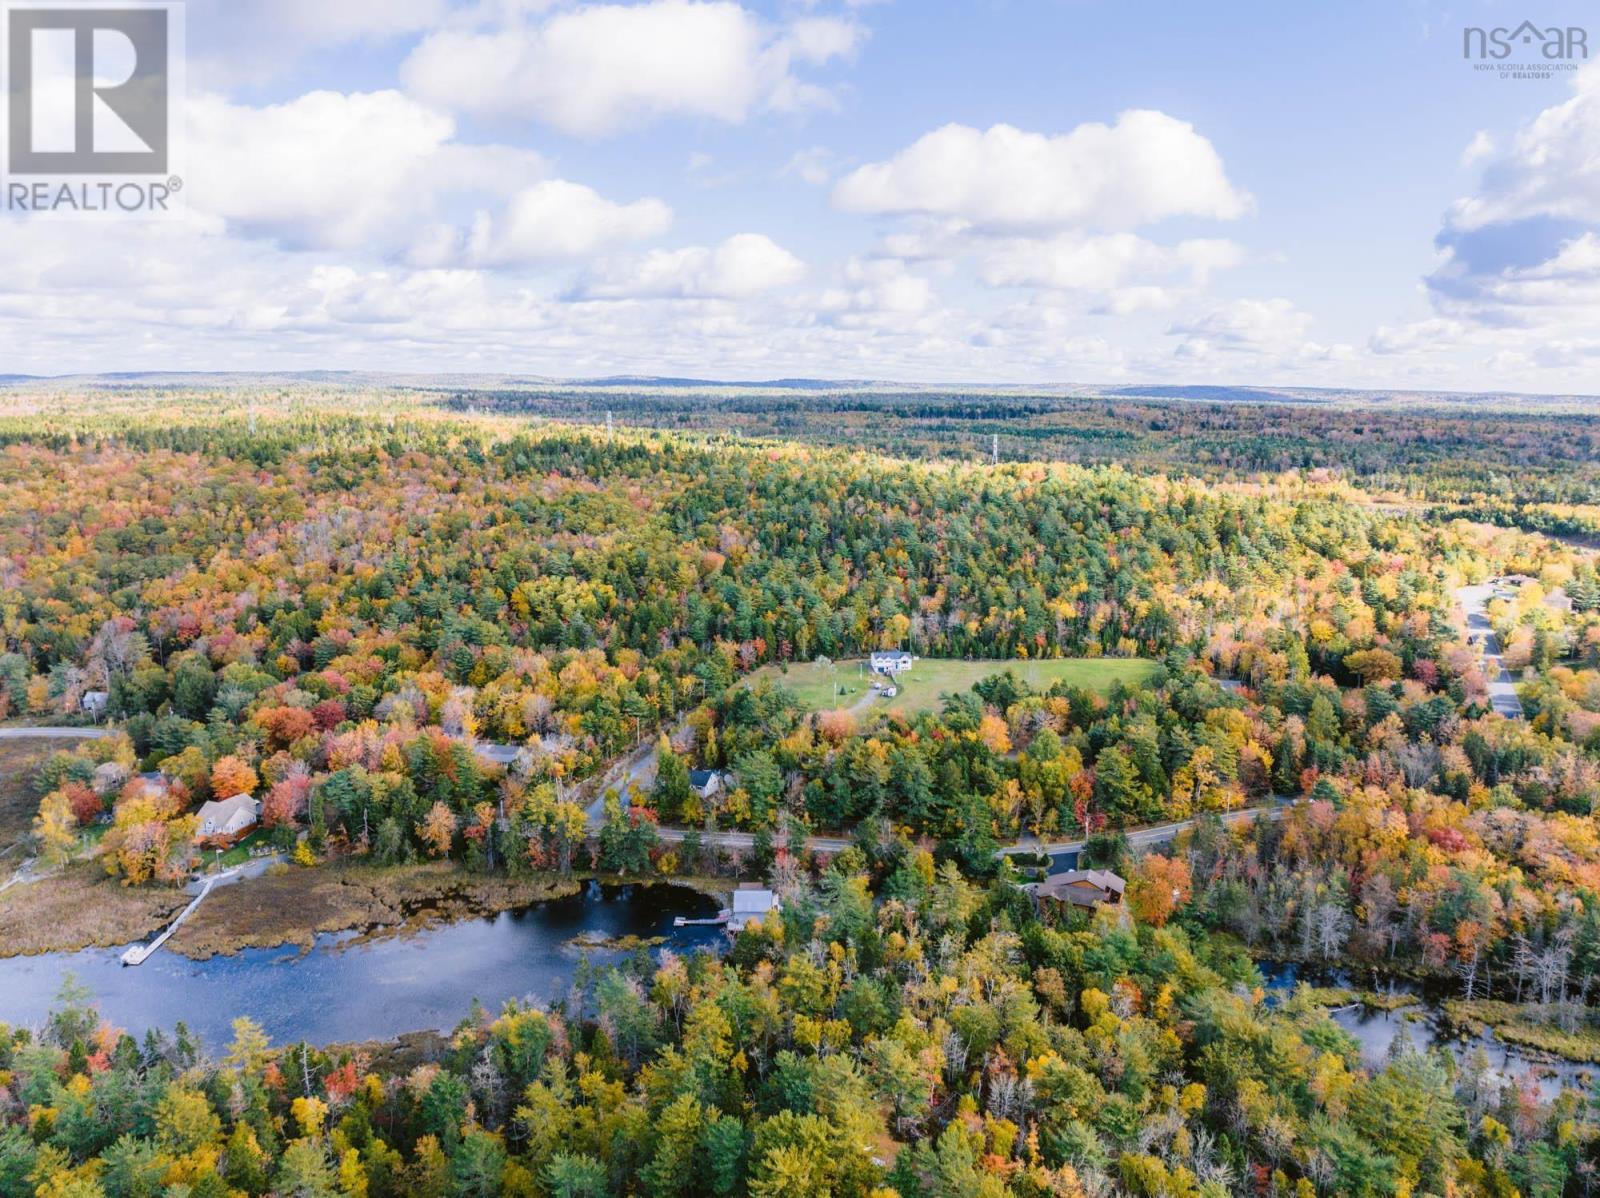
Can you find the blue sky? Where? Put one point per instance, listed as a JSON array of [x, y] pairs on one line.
[[1012, 191]]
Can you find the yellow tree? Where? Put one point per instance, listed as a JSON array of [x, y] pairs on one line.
[[438, 829], [56, 828]]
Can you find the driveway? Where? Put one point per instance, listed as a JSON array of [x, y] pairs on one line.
[[1474, 603]]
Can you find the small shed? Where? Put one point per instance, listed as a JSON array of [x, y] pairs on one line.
[[94, 703]]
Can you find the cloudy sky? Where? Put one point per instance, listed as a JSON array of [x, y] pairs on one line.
[[1040, 191]]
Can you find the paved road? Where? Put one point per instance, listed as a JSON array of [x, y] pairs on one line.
[[1065, 851], [53, 733], [1474, 601]]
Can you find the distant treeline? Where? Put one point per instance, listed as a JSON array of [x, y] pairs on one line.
[[1439, 455]]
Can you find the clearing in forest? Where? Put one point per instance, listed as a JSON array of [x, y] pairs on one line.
[[825, 685]]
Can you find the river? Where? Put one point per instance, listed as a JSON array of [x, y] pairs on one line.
[[1423, 1024], [350, 987]]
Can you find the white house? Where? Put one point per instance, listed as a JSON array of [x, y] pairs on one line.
[[891, 661], [94, 703], [705, 782], [750, 905], [229, 819]]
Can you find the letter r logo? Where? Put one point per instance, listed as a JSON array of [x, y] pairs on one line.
[[88, 90]]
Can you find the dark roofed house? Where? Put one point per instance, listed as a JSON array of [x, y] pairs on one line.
[[891, 661], [1087, 888], [705, 782]]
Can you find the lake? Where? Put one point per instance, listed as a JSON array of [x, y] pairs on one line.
[[347, 987]]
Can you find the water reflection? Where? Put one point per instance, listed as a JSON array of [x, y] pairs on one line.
[[344, 990], [1423, 1025]]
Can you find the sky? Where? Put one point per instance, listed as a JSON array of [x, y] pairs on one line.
[[998, 191]]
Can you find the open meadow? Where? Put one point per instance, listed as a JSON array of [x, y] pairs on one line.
[[824, 685]]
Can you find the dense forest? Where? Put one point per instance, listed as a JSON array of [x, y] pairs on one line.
[[333, 604], [1530, 468]]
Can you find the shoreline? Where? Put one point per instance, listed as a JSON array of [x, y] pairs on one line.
[[75, 911]]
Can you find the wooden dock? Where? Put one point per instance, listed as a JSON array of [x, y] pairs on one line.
[[138, 954], [717, 920]]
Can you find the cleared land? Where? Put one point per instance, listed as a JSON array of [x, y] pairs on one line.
[[848, 684]]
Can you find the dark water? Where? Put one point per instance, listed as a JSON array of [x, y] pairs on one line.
[[1423, 1025], [341, 991]]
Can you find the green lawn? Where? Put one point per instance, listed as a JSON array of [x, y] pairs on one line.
[[846, 683], [240, 852]]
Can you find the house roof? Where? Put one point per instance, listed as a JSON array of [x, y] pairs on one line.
[[224, 810], [496, 754], [753, 900], [1080, 881], [701, 777]]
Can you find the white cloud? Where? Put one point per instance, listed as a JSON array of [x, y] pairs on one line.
[[1074, 262], [596, 69], [744, 265], [1264, 329], [1480, 147], [876, 292], [1551, 168], [334, 171], [556, 220], [380, 173], [1417, 336], [1522, 252], [813, 165], [1146, 167]]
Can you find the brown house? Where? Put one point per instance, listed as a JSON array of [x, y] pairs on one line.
[[1088, 888]]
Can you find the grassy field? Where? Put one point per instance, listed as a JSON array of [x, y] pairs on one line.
[[18, 761], [847, 683]]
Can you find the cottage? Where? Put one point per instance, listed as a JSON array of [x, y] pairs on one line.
[[891, 661], [705, 782], [94, 703], [1088, 888], [750, 905], [224, 822]]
